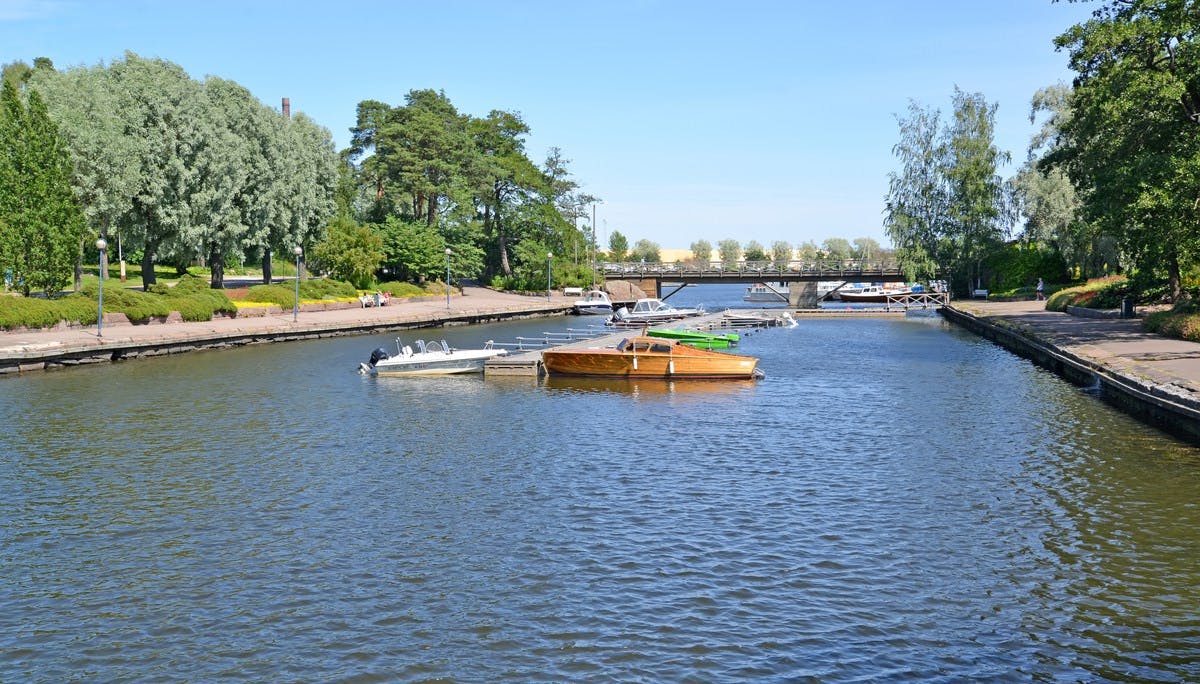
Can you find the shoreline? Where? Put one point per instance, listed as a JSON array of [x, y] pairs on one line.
[[1153, 378], [49, 349]]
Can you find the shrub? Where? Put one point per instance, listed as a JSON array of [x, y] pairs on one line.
[[401, 289], [276, 294], [1099, 293]]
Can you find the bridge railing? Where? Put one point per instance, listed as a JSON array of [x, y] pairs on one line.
[[848, 268]]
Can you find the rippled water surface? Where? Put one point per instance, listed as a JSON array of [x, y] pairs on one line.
[[896, 500]]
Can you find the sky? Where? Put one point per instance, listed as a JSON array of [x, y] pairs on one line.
[[690, 120]]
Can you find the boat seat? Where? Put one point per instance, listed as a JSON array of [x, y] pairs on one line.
[[407, 350]]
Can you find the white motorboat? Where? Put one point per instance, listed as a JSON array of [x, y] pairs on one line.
[[875, 293], [594, 302], [652, 310], [766, 292], [432, 358]]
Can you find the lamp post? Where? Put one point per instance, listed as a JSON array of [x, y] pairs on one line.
[[549, 258], [296, 304], [448, 253], [101, 245]]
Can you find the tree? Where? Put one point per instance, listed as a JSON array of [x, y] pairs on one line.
[[945, 209], [837, 248], [753, 251], [85, 104], [807, 251], [781, 253], [866, 248], [976, 191], [618, 245], [702, 251], [645, 250], [917, 198], [350, 252], [412, 249], [159, 104], [40, 220], [1131, 144], [729, 251]]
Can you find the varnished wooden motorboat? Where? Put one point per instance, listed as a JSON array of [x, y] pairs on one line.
[[649, 357]]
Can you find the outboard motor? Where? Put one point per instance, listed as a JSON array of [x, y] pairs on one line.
[[378, 355]]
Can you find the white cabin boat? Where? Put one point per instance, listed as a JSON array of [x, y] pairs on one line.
[[432, 358], [652, 310], [594, 302], [875, 293], [766, 292]]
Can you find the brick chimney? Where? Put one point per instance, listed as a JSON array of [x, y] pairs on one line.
[[287, 108]]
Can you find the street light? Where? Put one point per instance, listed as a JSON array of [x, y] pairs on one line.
[[549, 258], [101, 245], [448, 253], [296, 304]]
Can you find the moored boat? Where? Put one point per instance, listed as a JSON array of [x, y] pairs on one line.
[[875, 293], [651, 310], [696, 338], [594, 302], [766, 292], [433, 358], [649, 357]]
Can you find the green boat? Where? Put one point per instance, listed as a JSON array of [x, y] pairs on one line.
[[695, 338]]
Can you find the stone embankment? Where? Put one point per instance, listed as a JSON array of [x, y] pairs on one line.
[[30, 350], [1150, 376]]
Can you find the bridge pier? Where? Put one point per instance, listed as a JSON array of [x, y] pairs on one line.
[[802, 295]]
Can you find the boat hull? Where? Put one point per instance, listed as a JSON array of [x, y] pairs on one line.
[[649, 358], [434, 363]]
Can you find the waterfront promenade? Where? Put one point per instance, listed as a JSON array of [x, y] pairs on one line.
[[1155, 377], [31, 350]]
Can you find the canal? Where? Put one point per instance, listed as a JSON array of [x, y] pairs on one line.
[[896, 500]]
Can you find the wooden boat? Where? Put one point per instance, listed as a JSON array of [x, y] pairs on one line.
[[594, 302], [649, 357], [434, 358], [698, 339]]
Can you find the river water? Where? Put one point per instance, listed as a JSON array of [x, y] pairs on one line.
[[897, 500]]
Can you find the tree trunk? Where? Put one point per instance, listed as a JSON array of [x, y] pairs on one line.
[[266, 266], [1176, 280], [431, 215], [503, 244], [216, 264], [79, 266], [148, 278]]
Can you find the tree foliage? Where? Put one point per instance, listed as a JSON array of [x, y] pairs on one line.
[[945, 209], [729, 251], [40, 219], [1131, 144], [702, 251]]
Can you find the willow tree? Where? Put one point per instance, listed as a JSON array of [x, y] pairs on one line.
[[86, 105], [1132, 142]]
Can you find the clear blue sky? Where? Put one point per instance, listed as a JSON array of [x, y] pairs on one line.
[[690, 119]]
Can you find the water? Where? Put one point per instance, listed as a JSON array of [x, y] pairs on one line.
[[896, 500]]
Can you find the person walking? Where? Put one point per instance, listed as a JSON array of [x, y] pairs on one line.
[[1040, 286]]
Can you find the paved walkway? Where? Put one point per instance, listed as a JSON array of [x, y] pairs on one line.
[[1120, 346], [475, 302]]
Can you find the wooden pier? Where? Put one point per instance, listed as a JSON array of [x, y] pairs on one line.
[[528, 362]]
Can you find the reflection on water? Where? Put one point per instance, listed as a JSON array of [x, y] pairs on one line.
[[649, 387], [897, 500]]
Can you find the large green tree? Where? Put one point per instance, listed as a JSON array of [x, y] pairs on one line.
[[1132, 141], [85, 103], [945, 208], [40, 219]]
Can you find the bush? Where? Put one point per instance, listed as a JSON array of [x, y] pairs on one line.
[[276, 294], [401, 289], [1182, 321], [1099, 293]]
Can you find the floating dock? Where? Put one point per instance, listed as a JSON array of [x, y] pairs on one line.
[[529, 362]]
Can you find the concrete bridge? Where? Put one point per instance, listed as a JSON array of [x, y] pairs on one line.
[[649, 277]]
